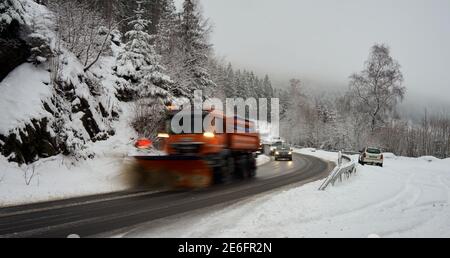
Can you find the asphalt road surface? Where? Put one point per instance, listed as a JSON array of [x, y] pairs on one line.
[[92, 215]]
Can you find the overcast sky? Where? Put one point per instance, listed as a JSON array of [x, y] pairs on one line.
[[324, 41]]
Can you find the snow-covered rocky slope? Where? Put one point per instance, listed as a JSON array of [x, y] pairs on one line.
[[409, 197], [63, 131], [50, 105], [62, 177]]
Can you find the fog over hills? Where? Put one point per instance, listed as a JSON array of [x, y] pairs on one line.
[[323, 42]]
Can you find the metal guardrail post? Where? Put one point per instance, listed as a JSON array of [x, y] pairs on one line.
[[346, 170]]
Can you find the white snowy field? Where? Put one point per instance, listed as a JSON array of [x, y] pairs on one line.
[[409, 197]]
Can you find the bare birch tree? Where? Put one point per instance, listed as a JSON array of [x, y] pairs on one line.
[[379, 87]]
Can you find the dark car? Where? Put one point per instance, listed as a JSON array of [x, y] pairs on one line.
[[283, 152], [274, 146]]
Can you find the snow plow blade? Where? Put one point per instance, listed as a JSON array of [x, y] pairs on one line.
[[175, 171]]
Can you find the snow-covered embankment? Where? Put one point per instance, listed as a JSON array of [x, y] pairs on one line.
[[407, 198]]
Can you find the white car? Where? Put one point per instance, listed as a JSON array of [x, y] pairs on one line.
[[372, 156]]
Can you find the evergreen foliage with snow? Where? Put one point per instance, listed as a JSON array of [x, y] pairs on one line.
[[138, 51], [10, 10], [165, 39], [195, 50], [138, 63]]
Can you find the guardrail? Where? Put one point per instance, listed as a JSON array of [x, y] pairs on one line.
[[341, 172]]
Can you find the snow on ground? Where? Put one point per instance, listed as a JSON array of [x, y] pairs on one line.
[[57, 178], [19, 104], [409, 197], [62, 177], [325, 155]]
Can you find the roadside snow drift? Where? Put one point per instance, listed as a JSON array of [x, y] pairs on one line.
[[407, 198]]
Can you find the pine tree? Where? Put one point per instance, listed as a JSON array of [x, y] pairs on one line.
[[10, 10], [267, 86], [238, 84], [165, 40], [139, 62], [195, 49], [229, 86]]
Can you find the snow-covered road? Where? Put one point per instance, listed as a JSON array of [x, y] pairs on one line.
[[102, 214], [407, 198]]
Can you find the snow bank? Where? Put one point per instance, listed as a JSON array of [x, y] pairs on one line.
[[325, 155], [58, 178], [407, 198], [429, 158], [388, 155], [23, 91]]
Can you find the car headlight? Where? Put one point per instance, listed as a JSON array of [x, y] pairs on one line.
[[277, 153], [290, 153]]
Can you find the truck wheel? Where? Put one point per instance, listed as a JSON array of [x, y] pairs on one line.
[[252, 166], [241, 168], [228, 170], [224, 173]]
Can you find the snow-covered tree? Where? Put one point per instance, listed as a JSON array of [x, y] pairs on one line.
[[379, 87], [195, 49], [166, 37], [10, 10], [267, 87], [229, 87], [90, 38], [138, 51], [13, 50], [139, 63]]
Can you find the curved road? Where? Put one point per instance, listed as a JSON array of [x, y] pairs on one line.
[[94, 215]]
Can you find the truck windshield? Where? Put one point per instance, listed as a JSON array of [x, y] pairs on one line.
[[187, 129], [217, 125], [190, 126]]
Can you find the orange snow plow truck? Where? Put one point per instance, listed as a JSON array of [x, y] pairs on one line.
[[212, 156]]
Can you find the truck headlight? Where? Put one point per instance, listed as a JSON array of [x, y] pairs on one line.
[[163, 135], [209, 135]]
